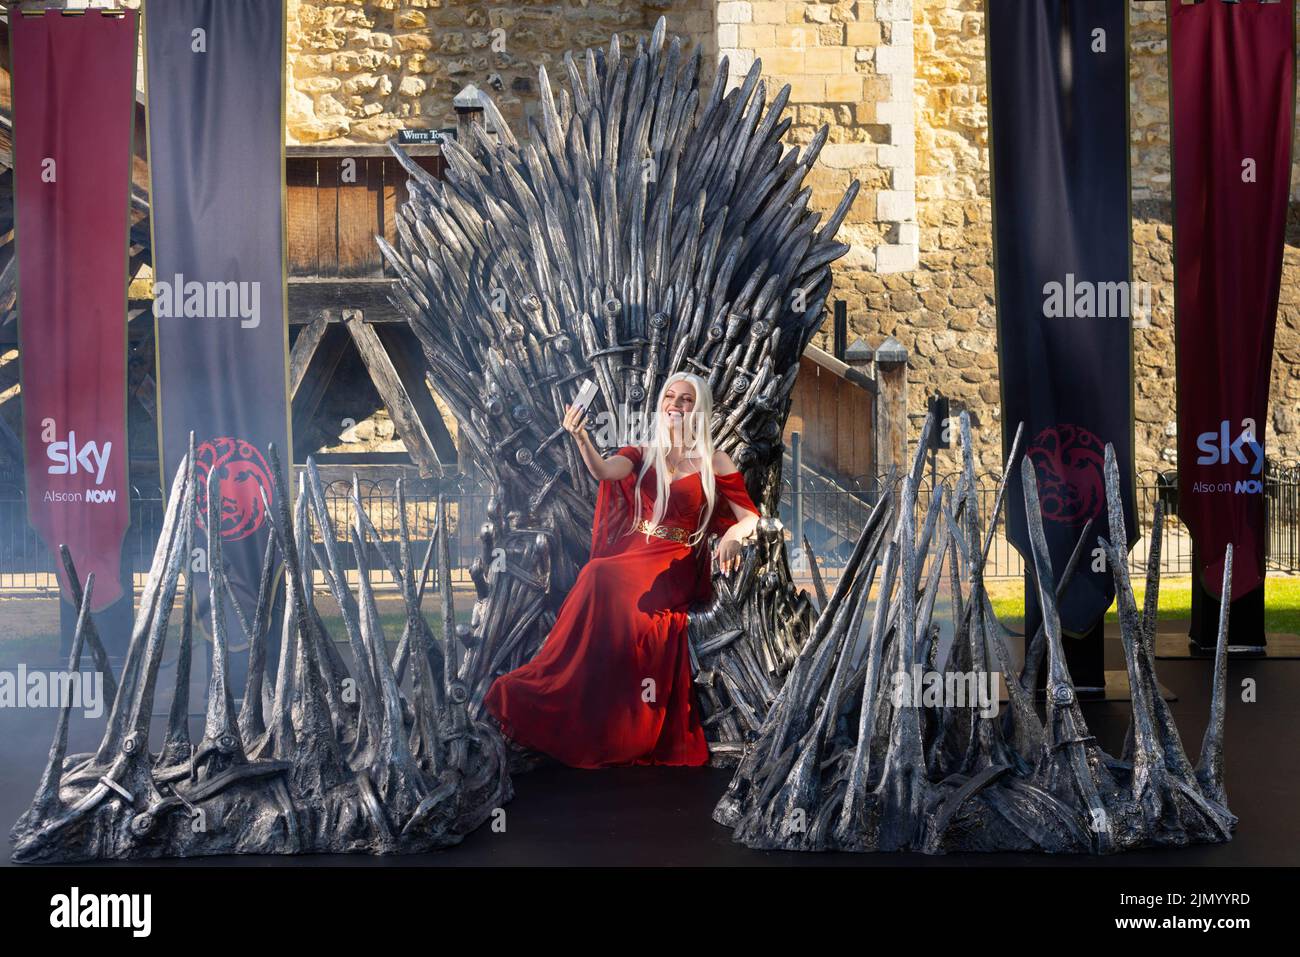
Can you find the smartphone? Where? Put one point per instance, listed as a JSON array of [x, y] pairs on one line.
[[586, 392]]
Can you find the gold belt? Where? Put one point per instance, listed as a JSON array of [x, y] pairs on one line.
[[663, 531]]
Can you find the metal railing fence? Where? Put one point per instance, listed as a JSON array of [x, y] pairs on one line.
[[830, 515]]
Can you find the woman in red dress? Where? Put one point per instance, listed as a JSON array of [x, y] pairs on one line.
[[611, 684]]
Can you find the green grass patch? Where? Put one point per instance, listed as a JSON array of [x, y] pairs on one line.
[[1281, 602]]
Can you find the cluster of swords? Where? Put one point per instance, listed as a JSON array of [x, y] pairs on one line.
[[638, 230], [841, 764], [641, 228], [380, 757], [744, 643]]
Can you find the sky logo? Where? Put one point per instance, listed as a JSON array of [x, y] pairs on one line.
[[1219, 448]]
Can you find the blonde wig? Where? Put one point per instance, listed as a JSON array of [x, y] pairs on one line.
[[697, 443]]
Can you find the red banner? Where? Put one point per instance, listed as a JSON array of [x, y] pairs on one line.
[[1232, 77], [74, 101]]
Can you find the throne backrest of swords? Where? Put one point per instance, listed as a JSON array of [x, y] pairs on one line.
[[643, 226]]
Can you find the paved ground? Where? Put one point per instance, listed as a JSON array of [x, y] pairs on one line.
[[655, 816]]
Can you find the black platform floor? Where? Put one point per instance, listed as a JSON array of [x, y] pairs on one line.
[[661, 816]]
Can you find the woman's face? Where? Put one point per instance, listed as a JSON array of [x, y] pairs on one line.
[[679, 400]]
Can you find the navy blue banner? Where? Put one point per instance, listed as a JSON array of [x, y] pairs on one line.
[[1058, 118], [215, 72]]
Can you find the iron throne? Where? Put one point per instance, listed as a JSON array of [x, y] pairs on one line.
[[640, 230], [637, 233]]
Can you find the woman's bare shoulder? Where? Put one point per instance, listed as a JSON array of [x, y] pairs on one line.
[[722, 464]]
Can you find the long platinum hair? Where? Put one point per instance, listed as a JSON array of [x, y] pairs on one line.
[[697, 443]]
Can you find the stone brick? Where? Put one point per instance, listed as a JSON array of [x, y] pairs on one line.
[[893, 59], [862, 34], [756, 36], [735, 11], [843, 89], [806, 89], [319, 84], [794, 37], [902, 134], [847, 155], [893, 9], [896, 258], [412, 86], [895, 206], [410, 42], [782, 62], [894, 113]]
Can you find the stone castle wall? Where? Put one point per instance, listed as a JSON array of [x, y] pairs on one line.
[[359, 70], [901, 84], [943, 310]]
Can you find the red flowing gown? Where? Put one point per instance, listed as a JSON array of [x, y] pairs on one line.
[[611, 684]]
